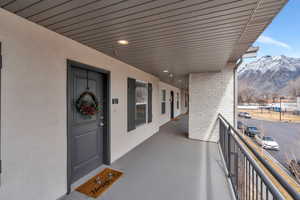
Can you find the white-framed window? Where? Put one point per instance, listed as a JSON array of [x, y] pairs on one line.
[[163, 101], [141, 97]]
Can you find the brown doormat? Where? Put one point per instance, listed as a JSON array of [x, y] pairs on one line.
[[100, 183], [176, 118]]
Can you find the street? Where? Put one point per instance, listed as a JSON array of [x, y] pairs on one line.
[[287, 135]]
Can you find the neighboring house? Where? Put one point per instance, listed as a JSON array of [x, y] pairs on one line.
[[285, 106], [58, 55]]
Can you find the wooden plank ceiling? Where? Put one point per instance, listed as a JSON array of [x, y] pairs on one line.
[[180, 36]]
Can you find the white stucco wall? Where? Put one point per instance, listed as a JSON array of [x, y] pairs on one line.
[[164, 118], [210, 93], [34, 131]]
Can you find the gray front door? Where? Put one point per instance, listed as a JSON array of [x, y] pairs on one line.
[[86, 132], [172, 105]]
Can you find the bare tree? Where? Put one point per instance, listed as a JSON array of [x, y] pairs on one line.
[[294, 87], [274, 97], [261, 101], [247, 95], [240, 99]]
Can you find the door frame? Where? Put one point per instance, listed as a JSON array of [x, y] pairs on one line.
[[106, 131]]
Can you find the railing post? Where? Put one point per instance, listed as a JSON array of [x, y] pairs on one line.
[[228, 152], [236, 171], [220, 133]]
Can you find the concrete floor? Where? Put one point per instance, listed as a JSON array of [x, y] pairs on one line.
[[168, 166]]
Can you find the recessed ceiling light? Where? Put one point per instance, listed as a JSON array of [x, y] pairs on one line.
[[123, 42], [166, 71]]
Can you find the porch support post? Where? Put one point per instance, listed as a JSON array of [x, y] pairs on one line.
[[235, 89], [235, 95], [211, 93]]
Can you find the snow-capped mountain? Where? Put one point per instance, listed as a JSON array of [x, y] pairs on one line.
[[269, 74]]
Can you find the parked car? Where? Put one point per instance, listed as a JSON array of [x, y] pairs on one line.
[[241, 114], [244, 114], [267, 142], [247, 115], [251, 131], [241, 125]]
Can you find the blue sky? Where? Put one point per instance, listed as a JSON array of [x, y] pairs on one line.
[[282, 37]]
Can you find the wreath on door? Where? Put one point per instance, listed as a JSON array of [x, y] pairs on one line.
[[87, 104]]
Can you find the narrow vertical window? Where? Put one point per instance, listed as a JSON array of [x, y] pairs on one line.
[[163, 101]]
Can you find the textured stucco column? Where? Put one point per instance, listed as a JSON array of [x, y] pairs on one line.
[[210, 93]]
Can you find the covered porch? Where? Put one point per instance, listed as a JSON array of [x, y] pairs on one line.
[[168, 165], [140, 64]]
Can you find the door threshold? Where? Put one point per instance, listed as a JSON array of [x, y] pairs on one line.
[[87, 177]]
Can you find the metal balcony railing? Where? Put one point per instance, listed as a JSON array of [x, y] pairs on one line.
[[244, 166]]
